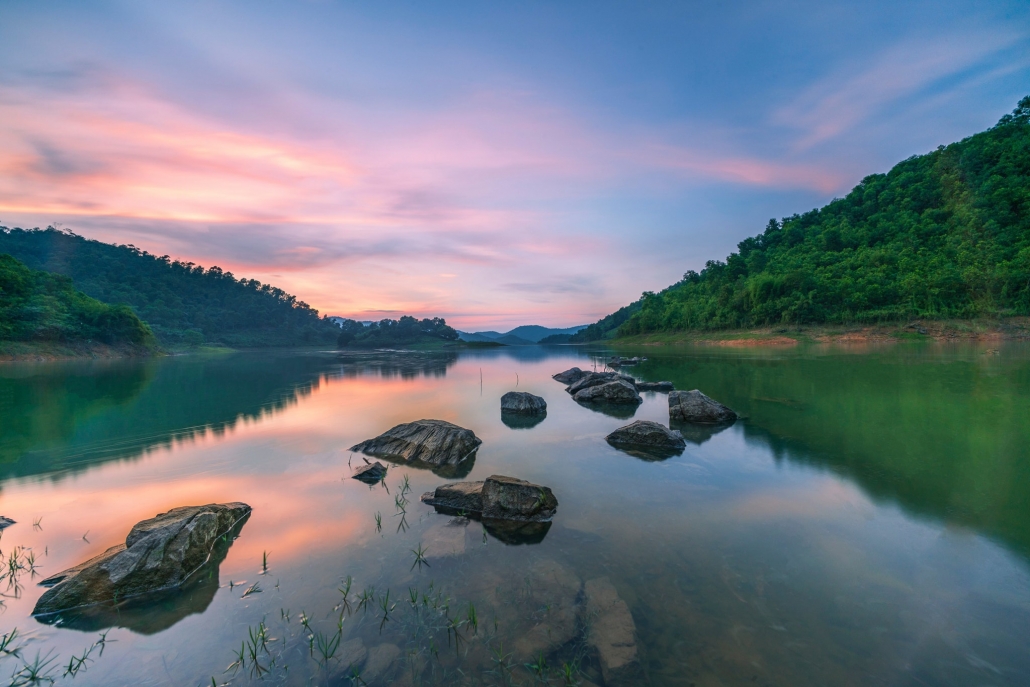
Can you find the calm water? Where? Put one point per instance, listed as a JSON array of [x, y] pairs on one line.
[[868, 523]]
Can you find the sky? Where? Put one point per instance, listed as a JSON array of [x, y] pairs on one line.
[[492, 163]]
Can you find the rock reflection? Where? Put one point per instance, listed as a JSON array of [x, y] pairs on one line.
[[522, 420], [151, 613], [621, 411], [404, 364], [447, 471], [698, 434], [515, 533]]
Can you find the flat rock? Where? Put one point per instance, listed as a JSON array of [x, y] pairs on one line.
[[610, 628], [569, 376], [694, 406], [433, 442], [373, 473], [380, 662], [646, 435], [618, 392], [523, 403], [445, 539], [655, 386], [497, 498], [457, 496], [159, 553]]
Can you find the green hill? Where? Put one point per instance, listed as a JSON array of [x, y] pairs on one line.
[[942, 235], [38, 306], [183, 303]]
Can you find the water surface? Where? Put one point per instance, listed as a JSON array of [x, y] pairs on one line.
[[868, 523]]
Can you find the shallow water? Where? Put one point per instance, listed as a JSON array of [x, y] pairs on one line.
[[868, 523]]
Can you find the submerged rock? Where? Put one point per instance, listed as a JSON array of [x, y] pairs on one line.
[[381, 663], [694, 406], [498, 497], [522, 403], [618, 392], [373, 473], [649, 437], [432, 442], [159, 553], [569, 376], [655, 386], [445, 538], [610, 628]]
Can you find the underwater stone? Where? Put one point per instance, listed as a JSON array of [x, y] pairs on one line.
[[694, 406], [159, 553], [610, 628], [433, 442]]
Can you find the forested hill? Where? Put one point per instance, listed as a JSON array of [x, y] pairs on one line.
[[942, 235], [183, 303], [38, 306]]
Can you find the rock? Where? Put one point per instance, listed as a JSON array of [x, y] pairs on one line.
[[654, 386], [569, 376], [508, 498], [648, 436], [694, 406], [523, 403], [380, 663], [610, 628], [457, 497], [592, 379], [446, 538], [159, 553], [618, 392], [351, 655], [373, 473], [432, 442], [499, 498], [554, 589], [5, 522]]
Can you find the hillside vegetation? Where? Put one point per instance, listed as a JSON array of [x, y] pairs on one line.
[[182, 302], [37, 306], [406, 331], [942, 235]]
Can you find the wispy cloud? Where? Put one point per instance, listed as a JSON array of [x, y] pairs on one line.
[[842, 99]]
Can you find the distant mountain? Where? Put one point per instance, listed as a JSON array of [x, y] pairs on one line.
[[520, 336]]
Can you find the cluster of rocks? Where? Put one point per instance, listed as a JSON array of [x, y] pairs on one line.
[[607, 387], [158, 554]]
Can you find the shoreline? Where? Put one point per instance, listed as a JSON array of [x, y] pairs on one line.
[[941, 331]]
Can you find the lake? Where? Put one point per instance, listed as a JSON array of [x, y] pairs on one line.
[[868, 522]]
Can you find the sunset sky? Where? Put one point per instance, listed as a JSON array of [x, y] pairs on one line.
[[494, 163]]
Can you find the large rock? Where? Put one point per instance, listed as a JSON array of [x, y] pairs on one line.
[[649, 437], [694, 406], [159, 553], [654, 386], [431, 442], [5, 522], [522, 403], [498, 497], [569, 376], [619, 392], [610, 629], [594, 379]]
